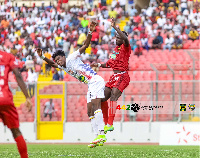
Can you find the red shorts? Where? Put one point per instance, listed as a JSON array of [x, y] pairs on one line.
[[120, 81], [9, 115]]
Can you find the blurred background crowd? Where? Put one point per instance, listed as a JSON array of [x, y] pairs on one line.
[[164, 24]]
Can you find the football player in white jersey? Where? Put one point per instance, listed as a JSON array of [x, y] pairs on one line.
[[84, 73]]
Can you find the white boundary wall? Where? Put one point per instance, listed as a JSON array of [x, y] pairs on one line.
[[132, 132]]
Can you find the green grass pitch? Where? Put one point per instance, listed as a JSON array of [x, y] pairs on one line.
[[107, 151]]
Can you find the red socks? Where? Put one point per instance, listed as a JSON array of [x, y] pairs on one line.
[[21, 145], [112, 110], [104, 108]]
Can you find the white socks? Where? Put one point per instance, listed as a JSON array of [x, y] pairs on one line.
[[99, 121], [94, 125]]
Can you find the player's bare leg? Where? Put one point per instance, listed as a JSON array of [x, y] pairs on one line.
[[21, 144]]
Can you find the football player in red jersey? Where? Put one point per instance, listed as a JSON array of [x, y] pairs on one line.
[[119, 61], [8, 112]]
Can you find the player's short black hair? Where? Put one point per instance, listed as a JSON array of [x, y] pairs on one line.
[[125, 33], [58, 53]]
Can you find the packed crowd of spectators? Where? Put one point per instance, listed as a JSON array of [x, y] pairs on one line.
[[165, 24]]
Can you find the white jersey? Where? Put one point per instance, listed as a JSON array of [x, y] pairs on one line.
[[76, 68]]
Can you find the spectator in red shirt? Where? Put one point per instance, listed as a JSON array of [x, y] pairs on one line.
[[137, 29], [94, 49], [95, 38], [166, 3], [3, 33], [138, 50], [143, 35], [137, 18]]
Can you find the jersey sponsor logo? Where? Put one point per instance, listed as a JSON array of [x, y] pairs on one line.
[[1, 82], [82, 78], [2, 69], [87, 68], [113, 55]]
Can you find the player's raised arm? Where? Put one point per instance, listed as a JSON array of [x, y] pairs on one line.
[[120, 33], [89, 37], [22, 85], [50, 62]]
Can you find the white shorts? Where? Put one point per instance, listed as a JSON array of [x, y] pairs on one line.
[[96, 87]]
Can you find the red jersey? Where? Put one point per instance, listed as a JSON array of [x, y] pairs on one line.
[[119, 59], [7, 64]]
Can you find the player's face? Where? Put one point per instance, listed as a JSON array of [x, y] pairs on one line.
[[119, 41], [60, 60]]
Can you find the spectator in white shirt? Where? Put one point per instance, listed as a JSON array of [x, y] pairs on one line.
[[18, 23], [32, 78], [196, 21], [180, 18], [41, 24], [18, 46], [132, 11], [46, 32], [74, 9], [187, 21], [35, 11], [52, 41], [66, 47], [30, 28], [186, 12], [46, 19], [177, 28], [51, 50], [167, 27], [161, 21], [168, 43], [106, 38], [122, 4], [25, 50], [29, 19], [43, 43], [37, 18], [183, 5], [145, 44], [8, 49], [63, 23], [102, 55], [11, 36]]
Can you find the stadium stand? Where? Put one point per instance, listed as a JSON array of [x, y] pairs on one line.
[[21, 39]]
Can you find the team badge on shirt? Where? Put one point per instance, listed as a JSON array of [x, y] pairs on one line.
[[113, 55], [82, 78]]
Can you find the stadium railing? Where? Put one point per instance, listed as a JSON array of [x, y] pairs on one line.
[[148, 101]]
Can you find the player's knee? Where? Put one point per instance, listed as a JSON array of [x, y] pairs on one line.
[[113, 97], [104, 99]]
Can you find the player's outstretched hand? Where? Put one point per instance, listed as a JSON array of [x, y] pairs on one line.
[[94, 65], [39, 51], [112, 22], [28, 104], [93, 26]]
